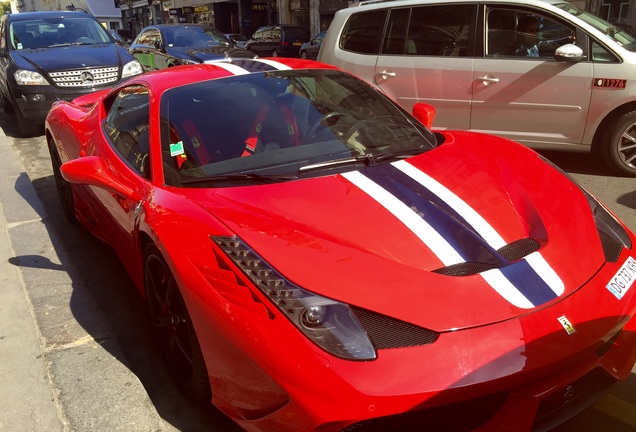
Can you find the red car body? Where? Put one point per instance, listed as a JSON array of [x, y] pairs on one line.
[[521, 345]]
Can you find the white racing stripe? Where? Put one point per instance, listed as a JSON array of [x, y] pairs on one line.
[[231, 68], [273, 63], [440, 247], [485, 230]]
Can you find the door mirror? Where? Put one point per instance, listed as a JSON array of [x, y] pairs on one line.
[[425, 113], [569, 53]]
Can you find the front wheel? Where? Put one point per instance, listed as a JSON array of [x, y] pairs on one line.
[[64, 189], [619, 144], [174, 329]]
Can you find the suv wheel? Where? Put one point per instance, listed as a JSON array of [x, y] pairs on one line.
[[619, 144]]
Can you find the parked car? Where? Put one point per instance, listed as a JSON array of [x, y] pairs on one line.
[[48, 56], [166, 45], [309, 50], [118, 39], [238, 39], [278, 40], [460, 56], [308, 250]]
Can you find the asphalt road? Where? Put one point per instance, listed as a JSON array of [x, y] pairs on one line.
[[125, 310]]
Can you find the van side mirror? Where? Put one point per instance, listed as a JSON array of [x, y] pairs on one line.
[[425, 113], [569, 53]]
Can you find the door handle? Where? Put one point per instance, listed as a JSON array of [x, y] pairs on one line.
[[488, 80], [386, 74]]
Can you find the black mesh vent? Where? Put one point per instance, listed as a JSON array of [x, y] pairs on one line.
[[511, 252], [519, 249], [388, 333], [611, 247], [464, 269], [459, 417]]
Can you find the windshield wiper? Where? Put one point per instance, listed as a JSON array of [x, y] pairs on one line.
[[238, 176], [367, 159]]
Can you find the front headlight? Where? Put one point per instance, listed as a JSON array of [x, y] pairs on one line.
[[328, 323], [27, 77], [132, 68]]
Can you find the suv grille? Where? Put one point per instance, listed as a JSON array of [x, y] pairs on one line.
[[85, 77]]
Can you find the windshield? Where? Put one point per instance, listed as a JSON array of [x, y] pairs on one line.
[[59, 31], [614, 32], [194, 37], [281, 125]]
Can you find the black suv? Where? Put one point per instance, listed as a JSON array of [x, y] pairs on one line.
[[277, 40], [48, 56]]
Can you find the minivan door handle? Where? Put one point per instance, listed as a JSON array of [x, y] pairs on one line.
[[385, 74], [488, 80]]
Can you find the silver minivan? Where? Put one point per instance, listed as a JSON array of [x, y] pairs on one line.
[[543, 73]]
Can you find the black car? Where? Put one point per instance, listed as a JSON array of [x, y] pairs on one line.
[[309, 50], [46, 56], [278, 40], [164, 45]]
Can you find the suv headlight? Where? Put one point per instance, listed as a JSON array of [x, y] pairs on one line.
[[132, 68], [27, 77], [330, 324]]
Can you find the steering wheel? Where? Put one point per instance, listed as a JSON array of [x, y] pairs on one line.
[[330, 115]]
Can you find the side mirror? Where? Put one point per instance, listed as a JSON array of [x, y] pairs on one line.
[[92, 170], [569, 53], [425, 113]]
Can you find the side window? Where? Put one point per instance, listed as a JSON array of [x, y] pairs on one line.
[[127, 127], [523, 34], [363, 31], [600, 54], [439, 31], [395, 34]]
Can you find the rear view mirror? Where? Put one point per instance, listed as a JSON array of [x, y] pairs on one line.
[[569, 53], [425, 113]]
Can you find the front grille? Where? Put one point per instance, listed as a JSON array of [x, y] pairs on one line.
[[93, 77], [459, 417], [389, 333]]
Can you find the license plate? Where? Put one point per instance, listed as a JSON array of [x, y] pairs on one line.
[[623, 279], [297, 43]]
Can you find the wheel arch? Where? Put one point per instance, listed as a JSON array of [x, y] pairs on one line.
[[613, 115]]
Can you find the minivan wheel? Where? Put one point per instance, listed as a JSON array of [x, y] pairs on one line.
[[619, 144]]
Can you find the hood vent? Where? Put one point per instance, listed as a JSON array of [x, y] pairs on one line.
[[511, 252]]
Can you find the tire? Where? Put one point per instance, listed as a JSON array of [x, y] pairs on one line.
[[303, 55], [26, 127], [173, 328], [618, 146], [64, 189], [275, 53]]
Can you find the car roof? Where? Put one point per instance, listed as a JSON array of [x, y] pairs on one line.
[[25, 16], [392, 3]]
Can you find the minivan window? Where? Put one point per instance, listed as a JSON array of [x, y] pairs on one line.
[[361, 33], [439, 30], [617, 34]]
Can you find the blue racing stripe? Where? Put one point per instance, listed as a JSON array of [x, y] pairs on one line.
[[439, 215], [528, 282]]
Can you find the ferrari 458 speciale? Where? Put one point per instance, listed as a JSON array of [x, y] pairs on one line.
[[314, 258]]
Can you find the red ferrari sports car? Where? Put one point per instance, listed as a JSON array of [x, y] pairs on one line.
[[315, 258]]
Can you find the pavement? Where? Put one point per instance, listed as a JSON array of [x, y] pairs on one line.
[[52, 330]]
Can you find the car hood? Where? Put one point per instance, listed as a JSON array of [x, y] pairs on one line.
[[389, 237], [211, 53], [81, 56]]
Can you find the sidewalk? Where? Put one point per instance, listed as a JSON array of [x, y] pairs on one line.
[[56, 374]]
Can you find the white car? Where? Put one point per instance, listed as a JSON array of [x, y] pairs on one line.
[[543, 73]]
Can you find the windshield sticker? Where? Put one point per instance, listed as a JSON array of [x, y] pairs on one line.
[[623, 279], [176, 149], [610, 83]]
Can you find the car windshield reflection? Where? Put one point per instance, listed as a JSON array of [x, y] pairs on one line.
[[279, 125]]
